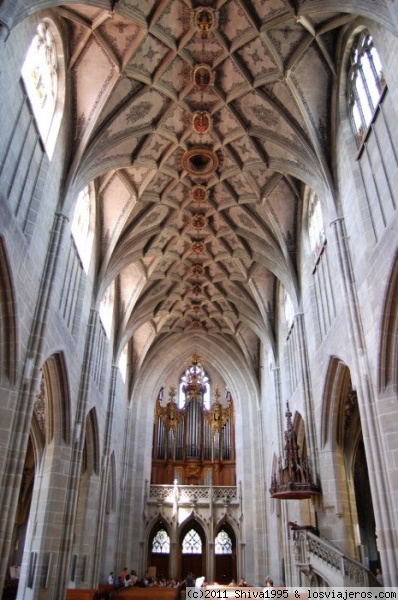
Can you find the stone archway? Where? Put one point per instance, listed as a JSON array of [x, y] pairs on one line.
[[192, 548], [158, 559]]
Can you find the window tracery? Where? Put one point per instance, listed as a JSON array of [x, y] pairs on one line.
[[161, 542], [40, 74], [365, 84], [192, 544], [223, 543]]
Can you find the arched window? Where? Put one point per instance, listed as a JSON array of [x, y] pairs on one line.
[[106, 309], [161, 542], [82, 229], [41, 76], [315, 226], [223, 543], [289, 311], [192, 544], [365, 84]]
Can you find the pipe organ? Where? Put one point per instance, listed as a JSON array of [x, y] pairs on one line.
[[194, 445]]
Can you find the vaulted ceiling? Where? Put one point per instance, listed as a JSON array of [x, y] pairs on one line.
[[200, 124]]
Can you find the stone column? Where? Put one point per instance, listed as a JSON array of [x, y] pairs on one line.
[[307, 394]]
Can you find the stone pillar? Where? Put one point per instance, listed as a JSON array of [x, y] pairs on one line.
[[99, 530], [210, 559], [372, 435], [307, 394]]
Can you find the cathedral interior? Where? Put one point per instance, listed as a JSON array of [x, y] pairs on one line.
[[198, 292]]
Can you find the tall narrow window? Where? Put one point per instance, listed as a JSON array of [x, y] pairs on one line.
[[365, 84], [82, 229], [40, 74], [289, 311], [316, 230], [106, 309], [123, 362]]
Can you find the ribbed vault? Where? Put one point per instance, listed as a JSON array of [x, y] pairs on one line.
[[249, 92]]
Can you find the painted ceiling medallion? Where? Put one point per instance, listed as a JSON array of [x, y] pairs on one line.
[[199, 193], [197, 269], [198, 247], [199, 221], [205, 20], [200, 162], [201, 122], [203, 77], [196, 308], [196, 325]]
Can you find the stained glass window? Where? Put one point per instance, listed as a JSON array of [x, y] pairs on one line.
[[192, 544], [161, 542], [40, 76]]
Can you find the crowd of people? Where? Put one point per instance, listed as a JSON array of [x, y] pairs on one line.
[[128, 579]]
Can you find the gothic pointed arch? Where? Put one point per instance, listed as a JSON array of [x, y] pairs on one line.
[[55, 387], [192, 541], [225, 551], [342, 432], [159, 546]]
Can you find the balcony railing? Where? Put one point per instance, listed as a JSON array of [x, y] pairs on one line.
[[189, 494], [314, 553]]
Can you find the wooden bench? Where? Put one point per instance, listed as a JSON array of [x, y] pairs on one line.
[[149, 593], [81, 594], [105, 589]]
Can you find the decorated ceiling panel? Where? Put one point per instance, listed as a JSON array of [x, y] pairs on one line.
[[203, 122]]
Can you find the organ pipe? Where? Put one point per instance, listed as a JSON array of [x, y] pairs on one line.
[[196, 436]]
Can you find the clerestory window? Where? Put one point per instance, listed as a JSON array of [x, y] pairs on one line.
[[316, 230], [82, 226], [289, 311], [365, 84]]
